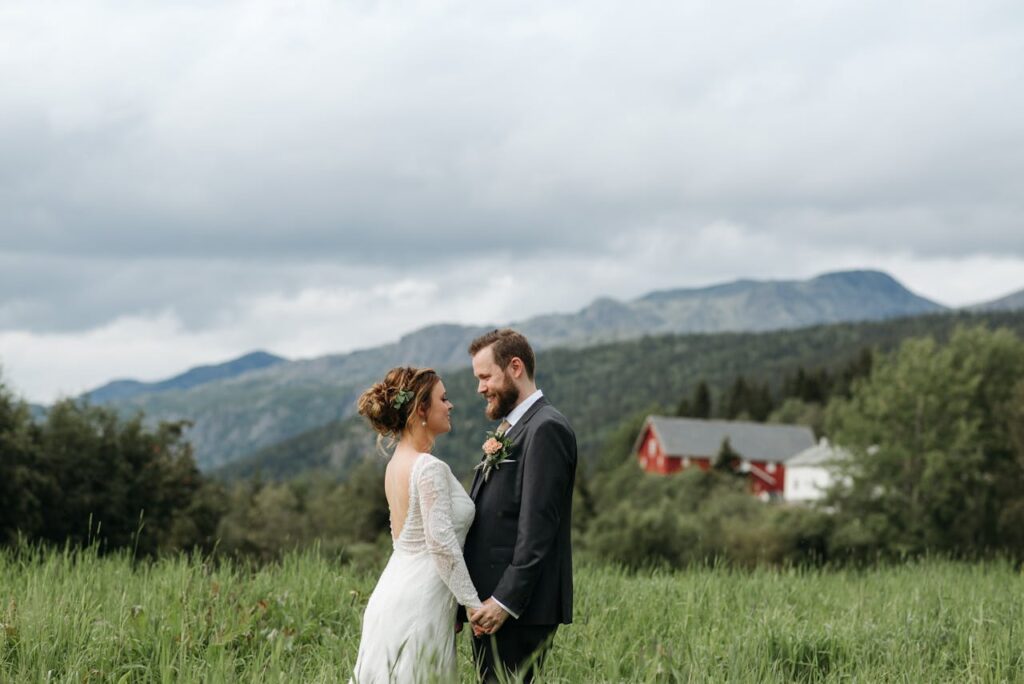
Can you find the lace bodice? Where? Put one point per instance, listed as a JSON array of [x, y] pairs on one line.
[[439, 517]]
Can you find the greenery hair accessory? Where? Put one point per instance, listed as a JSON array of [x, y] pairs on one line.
[[401, 399]]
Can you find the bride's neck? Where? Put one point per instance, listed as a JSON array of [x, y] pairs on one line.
[[419, 441]]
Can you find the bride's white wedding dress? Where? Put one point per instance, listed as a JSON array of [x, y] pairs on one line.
[[409, 623]]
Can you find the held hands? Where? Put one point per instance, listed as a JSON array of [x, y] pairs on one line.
[[488, 619]]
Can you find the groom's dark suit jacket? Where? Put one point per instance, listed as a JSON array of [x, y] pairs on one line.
[[519, 549]]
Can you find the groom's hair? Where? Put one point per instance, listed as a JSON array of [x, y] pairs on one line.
[[506, 345]]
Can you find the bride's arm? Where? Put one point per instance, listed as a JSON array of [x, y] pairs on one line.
[[436, 508]]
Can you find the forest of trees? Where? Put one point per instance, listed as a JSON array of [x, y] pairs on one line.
[[599, 387], [936, 430], [801, 396], [84, 474], [937, 438]]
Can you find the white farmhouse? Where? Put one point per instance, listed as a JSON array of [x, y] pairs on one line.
[[811, 472]]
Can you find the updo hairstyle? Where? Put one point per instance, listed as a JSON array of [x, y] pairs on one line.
[[378, 403]]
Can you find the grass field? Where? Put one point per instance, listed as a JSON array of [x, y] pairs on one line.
[[74, 617]]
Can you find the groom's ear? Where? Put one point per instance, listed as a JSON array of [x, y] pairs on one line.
[[516, 367]]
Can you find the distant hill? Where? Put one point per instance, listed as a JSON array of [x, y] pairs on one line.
[[1011, 302], [597, 387], [201, 375], [744, 305], [237, 415], [38, 412], [233, 416]]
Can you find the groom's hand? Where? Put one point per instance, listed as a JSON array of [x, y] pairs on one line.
[[489, 618]]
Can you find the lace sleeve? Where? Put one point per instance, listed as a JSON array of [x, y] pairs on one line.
[[439, 530]]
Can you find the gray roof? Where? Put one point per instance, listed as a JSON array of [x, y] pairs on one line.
[[699, 438], [821, 454]]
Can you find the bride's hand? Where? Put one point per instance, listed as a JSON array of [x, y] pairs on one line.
[[477, 629], [470, 614]]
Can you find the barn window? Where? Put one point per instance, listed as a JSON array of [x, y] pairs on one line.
[[770, 467], [652, 447]]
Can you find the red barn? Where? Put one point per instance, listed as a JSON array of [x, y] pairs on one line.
[[668, 445]]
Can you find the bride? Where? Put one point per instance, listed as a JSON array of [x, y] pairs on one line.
[[409, 624]]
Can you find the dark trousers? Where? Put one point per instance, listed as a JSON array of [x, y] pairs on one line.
[[520, 651]]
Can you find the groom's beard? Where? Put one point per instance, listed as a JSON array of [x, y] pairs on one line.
[[507, 397]]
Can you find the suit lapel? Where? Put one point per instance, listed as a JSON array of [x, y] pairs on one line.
[[475, 487], [513, 434], [518, 428]]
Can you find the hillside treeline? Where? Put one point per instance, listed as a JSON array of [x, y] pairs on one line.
[[598, 387], [935, 428], [936, 440], [85, 475]]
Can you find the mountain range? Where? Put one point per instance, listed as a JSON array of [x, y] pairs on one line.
[[609, 388], [124, 389], [1011, 302], [259, 400]]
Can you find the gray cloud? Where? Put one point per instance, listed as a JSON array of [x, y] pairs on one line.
[[194, 162], [275, 129]]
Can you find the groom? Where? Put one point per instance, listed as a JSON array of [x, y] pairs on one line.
[[519, 551]]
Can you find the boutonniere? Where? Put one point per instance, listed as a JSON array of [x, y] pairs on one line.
[[496, 451]]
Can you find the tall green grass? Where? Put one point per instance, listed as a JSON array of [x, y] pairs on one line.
[[76, 617]]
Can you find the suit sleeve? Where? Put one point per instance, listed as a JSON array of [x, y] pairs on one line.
[[547, 490]]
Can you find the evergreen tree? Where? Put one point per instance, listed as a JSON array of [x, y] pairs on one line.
[[684, 410], [20, 479], [734, 402], [760, 403], [749, 401], [697, 406], [857, 368], [701, 401], [728, 459], [808, 386]]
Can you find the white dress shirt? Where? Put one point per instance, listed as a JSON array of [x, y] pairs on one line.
[[519, 411]]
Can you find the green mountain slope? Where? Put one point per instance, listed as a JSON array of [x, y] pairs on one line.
[[597, 387], [236, 416]]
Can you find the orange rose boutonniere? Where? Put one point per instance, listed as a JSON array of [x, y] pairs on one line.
[[496, 451]]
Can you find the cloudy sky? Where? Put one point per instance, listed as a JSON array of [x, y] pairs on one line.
[[182, 182]]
